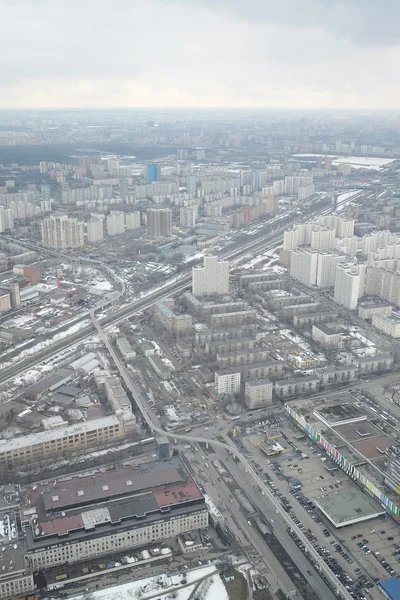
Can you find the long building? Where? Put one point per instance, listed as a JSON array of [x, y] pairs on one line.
[[91, 516], [43, 445]]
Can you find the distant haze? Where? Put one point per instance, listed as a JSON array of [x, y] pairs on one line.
[[204, 53]]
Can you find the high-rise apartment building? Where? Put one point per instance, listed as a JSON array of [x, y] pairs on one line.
[[6, 219], [303, 265], [212, 278], [258, 393], [326, 268], [61, 232], [349, 284], [182, 154], [159, 222], [115, 223], [200, 154], [191, 184], [188, 216], [95, 230], [123, 190], [322, 238], [153, 173], [132, 220]]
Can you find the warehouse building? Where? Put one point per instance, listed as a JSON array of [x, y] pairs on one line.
[[90, 516]]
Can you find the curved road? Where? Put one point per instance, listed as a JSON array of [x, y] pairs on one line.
[[154, 426]]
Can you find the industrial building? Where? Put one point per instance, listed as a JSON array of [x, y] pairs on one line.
[[90, 516], [125, 348], [43, 445]]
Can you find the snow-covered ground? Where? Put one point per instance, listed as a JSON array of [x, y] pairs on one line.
[[146, 588], [357, 162]]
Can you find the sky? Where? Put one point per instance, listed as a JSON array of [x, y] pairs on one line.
[[311, 54]]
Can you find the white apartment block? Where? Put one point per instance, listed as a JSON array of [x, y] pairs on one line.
[[349, 284], [342, 226], [387, 325], [212, 278], [61, 232], [95, 230], [293, 183], [115, 223], [6, 219], [290, 239], [326, 268], [322, 238], [303, 266], [188, 216], [227, 383], [306, 191], [132, 220]]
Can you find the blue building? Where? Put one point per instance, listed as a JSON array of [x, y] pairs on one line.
[[390, 588], [153, 173]]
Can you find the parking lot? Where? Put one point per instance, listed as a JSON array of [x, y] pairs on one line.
[[359, 554]]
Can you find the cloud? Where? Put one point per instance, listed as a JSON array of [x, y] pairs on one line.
[[255, 53]]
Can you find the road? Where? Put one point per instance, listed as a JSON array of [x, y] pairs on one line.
[[256, 480]]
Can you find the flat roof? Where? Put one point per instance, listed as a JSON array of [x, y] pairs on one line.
[[348, 507], [41, 437], [391, 587], [294, 380], [325, 329], [373, 447], [352, 432], [337, 413]]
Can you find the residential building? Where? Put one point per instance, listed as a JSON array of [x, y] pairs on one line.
[[62, 232], [297, 386], [44, 445], [303, 266], [117, 397], [322, 238], [95, 230], [306, 191], [5, 300], [175, 323], [132, 220], [387, 325], [349, 284], [227, 382], [6, 219], [369, 309], [188, 216], [159, 222], [240, 357], [326, 268], [329, 376], [153, 173], [211, 278], [258, 393], [160, 367], [325, 336], [115, 223], [230, 319], [200, 153], [377, 363]]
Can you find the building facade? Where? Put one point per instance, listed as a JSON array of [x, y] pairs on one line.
[[211, 278], [61, 232], [159, 222], [258, 393], [95, 230], [227, 382]]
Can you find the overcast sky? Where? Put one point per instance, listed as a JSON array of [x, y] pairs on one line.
[[200, 53]]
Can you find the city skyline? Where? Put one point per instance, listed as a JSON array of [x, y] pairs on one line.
[[214, 55]]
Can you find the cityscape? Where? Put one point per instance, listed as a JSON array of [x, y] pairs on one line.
[[200, 300], [200, 386]]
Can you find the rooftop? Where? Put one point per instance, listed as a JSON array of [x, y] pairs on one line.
[[391, 587], [347, 507], [41, 437], [325, 329], [339, 413]]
